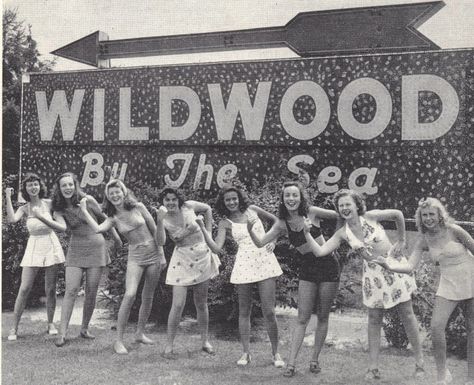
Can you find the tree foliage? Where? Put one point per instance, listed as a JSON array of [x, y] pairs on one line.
[[20, 56]]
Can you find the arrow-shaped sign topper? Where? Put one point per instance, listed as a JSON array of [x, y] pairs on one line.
[[375, 29]]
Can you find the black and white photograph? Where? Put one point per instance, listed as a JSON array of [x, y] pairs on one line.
[[217, 192]]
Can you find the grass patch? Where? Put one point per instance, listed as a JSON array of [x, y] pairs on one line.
[[34, 359]]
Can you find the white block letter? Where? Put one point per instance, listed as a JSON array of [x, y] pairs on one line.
[[126, 131]]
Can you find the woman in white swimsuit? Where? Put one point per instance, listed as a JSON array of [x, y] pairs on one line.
[[43, 249]]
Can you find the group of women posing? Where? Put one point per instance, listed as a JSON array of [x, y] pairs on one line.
[[386, 282]]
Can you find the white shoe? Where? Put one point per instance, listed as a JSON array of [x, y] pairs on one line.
[[244, 360], [278, 361], [120, 348], [448, 378], [12, 335], [52, 331]]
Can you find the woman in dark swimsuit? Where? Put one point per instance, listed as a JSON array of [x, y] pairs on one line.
[[318, 277]]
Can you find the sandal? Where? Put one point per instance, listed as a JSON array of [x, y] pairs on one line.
[[244, 360], [208, 349], [86, 335], [419, 371], [52, 331], [372, 374], [290, 371], [120, 348], [12, 335], [278, 361], [60, 341], [314, 367]]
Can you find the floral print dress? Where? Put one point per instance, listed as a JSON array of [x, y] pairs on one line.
[[381, 288]]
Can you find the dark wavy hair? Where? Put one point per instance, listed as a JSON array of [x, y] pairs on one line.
[[244, 202], [32, 177], [304, 204], [129, 201], [59, 203], [170, 190], [357, 198]]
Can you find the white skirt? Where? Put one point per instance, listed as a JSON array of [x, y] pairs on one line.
[[42, 251]]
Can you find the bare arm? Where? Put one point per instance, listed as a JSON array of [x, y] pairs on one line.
[[215, 246], [12, 216], [463, 236], [148, 218], [398, 218], [326, 248], [404, 266], [264, 214], [321, 213], [203, 209], [55, 225], [160, 233], [103, 227], [95, 207], [58, 217], [272, 234]]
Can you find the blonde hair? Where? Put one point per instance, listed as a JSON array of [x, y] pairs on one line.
[[444, 217]]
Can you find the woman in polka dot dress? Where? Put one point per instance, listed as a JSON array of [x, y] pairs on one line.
[[252, 265], [382, 289], [192, 263]]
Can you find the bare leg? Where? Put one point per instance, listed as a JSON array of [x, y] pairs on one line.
[[442, 310], [200, 301], [245, 307], [470, 338], [405, 311], [374, 331], [306, 296], [152, 275], [177, 306], [326, 293], [93, 275], [267, 296], [50, 277], [73, 283], [28, 276], [132, 280]]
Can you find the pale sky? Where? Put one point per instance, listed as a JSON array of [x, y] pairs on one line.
[[56, 23]]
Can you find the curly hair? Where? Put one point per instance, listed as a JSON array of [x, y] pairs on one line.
[[444, 217], [303, 208], [170, 190], [244, 202], [129, 201], [358, 199], [32, 177], [59, 202]]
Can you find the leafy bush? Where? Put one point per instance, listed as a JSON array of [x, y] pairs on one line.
[[423, 301]]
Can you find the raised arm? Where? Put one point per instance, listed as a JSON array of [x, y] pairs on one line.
[[96, 209], [398, 218], [404, 266], [264, 214], [320, 213], [205, 210], [58, 217], [148, 218], [98, 228], [215, 246], [160, 233], [272, 234], [328, 247], [463, 236], [12, 216], [51, 222]]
